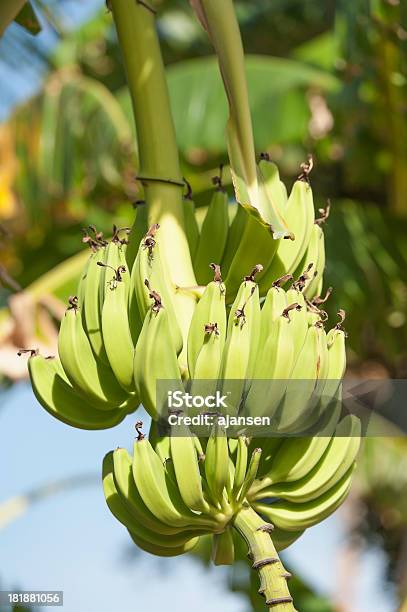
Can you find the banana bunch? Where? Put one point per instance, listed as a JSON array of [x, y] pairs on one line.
[[272, 359], [172, 491], [175, 489], [90, 383], [247, 242]]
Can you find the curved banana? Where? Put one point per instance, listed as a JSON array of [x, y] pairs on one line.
[[292, 516], [147, 277], [91, 378], [119, 510], [216, 463], [117, 338], [210, 310], [92, 306], [155, 359], [299, 215], [212, 240], [126, 487], [334, 463], [185, 461], [159, 492], [61, 400]]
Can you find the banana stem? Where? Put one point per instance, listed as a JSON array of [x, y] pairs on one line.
[[159, 170], [273, 576]]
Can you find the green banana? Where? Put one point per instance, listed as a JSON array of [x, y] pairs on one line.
[[242, 341], [234, 236], [117, 337], [333, 465], [273, 367], [191, 225], [212, 240], [131, 498], [91, 378], [120, 511], [241, 466], [162, 551], [62, 401], [299, 215], [155, 359], [209, 310], [148, 276], [138, 230], [217, 462], [185, 461], [92, 307], [159, 492], [292, 516]]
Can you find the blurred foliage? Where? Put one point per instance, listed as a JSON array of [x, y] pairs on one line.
[[383, 517]]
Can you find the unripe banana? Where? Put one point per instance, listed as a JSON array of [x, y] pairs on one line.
[[213, 236], [159, 492], [273, 307], [126, 487], [209, 311], [294, 459], [257, 246], [91, 378], [242, 341], [298, 318], [162, 551], [120, 511], [275, 187], [115, 324], [155, 359], [148, 276], [138, 230], [234, 236], [241, 465], [299, 215], [185, 461], [217, 463], [60, 399], [333, 465], [92, 306], [315, 286], [296, 405], [273, 368], [250, 475], [292, 516]]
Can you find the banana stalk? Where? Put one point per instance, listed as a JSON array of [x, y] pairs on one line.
[[220, 22], [262, 552], [159, 170]]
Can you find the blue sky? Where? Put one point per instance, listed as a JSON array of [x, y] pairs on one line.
[[71, 542]]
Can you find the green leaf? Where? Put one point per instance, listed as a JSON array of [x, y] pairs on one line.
[[277, 100]]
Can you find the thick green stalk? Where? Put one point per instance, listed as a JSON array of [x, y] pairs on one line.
[[262, 552], [219, 20], [159, 161]]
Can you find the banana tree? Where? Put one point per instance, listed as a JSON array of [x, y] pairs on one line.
[[169, 309]]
